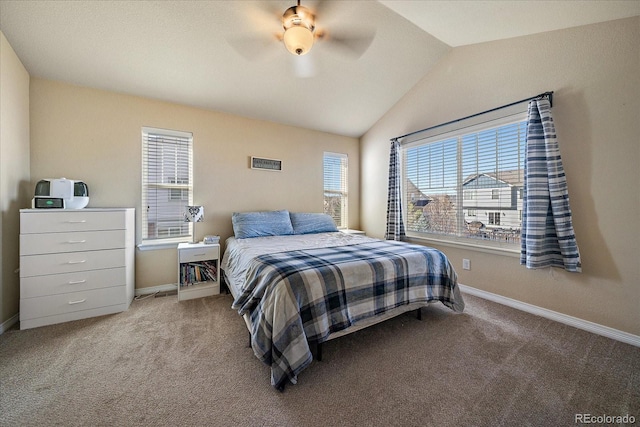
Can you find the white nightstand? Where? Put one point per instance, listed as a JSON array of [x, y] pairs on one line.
[[198, 270]]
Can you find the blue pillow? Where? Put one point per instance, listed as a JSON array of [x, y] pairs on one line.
[[307, 223], [256, 224]]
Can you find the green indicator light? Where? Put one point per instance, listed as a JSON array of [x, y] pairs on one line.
[[49, 202]]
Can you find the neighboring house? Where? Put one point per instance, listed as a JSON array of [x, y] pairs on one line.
[[494, 201], [414, 195], [492, 206], [172, 200]]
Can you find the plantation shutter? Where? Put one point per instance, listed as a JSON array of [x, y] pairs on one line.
[[167, 183], [335, 187]]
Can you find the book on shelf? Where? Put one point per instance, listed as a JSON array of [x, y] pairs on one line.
[[196, 272]]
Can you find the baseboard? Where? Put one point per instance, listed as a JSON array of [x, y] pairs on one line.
[[154, 289], [7, 324], [585, 325]]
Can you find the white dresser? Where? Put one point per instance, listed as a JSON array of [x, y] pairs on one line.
[[75, 264]]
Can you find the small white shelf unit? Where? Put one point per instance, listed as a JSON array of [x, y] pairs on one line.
[[198, 270]]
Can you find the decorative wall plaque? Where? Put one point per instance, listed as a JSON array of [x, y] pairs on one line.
[[266, 164]]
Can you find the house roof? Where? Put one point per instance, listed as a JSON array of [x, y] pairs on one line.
[[197, 52], [412, 190], [513, 178]]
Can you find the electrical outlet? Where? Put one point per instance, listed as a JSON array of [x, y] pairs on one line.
[[466, 264]]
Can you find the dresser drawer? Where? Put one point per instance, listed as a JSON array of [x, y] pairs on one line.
[[41, 265], [199, 254], [71, 220], [31, 308], [37, 286], [47, 243]]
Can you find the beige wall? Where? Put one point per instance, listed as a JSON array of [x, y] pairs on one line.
[[95, 136], [14, 172], [595, 73]]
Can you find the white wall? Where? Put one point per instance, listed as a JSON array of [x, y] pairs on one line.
[[595, 73], [95, 136], [14, 172]]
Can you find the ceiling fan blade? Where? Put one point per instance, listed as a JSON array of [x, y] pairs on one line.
[[255, 46], [319, 8], [267, 16], [354, 44], [332, 14], [265, 22]]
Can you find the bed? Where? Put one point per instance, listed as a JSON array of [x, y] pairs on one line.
[[298, 282]]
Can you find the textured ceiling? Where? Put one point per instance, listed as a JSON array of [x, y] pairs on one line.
[[225, 56], [465, 22]]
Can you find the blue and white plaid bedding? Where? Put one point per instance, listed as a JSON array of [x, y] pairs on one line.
[[304, 295]]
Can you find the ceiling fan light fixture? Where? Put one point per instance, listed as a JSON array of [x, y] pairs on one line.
[[298, 40], [298, 23]]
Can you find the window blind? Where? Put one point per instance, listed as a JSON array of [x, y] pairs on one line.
[[167, 183], [467, 182], [335, 188]]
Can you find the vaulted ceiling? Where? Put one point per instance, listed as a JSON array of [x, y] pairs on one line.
[[226, 56]]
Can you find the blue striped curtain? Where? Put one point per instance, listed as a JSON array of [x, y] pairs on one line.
[[395, 226], [548, 239]]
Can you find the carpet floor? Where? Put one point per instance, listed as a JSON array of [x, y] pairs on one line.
[[170, 363]]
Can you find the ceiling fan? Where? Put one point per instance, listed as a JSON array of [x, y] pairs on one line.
[[299, 29], [299, 32]]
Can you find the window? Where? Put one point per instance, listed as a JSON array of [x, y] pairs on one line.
[[179, 193], [494, 218], [167, 184], [335, 188], [466, 183]]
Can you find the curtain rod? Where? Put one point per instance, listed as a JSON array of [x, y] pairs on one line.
[[540, 96]]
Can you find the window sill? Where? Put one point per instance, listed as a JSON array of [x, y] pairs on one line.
[[496, 248], [155, 246]]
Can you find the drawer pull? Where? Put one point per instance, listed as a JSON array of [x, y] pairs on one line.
[[198, 254], [76, 221], [77, 302], [77, 241], [77, 262], [77, 282]]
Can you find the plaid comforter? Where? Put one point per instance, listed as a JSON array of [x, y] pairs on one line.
[[304, 295]]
